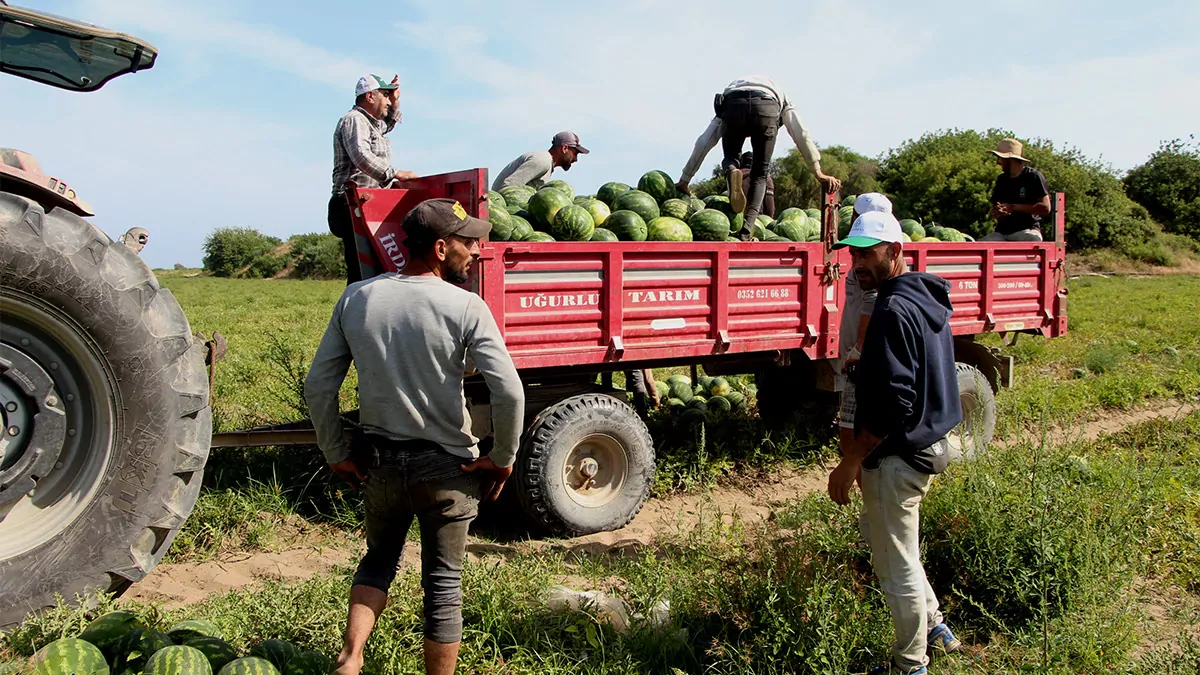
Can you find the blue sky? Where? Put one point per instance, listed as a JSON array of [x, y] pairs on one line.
[[233, 126]]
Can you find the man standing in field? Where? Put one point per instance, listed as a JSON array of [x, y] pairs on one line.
[[534, 168], [752, 107], [1020, 197], [907, 402], [412, 336], [362, 155]]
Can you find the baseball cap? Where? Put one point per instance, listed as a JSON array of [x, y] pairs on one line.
[[872, 201], [871, 228], [435, 219], [569, 139], [371, 83]]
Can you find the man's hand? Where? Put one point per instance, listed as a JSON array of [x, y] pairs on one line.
[[683, 187], [405, 175], [831, 184], [842, 479], [497, 475], [1002, 209], [395, 93], [348, 470]]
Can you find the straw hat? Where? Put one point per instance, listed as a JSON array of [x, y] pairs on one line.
[[1009, 148]]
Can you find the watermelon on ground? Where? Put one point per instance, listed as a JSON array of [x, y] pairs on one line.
[[106, 630], [516, 197], [640, 203], [132, 652], [609, 192], [709, 225], [664, 390], [496, 199], [309, 663], [675, 404], [178, 660], [719, 404], [545, 204], [217, 651], [627, 225], [539, 237], [789, 214], [184, 630], [573, 223], [562, 186], [719, 387], [675, 208], [815, 214], [601, 234], [278, 652], [674, 379], [665, 228], [736, 399], [501, 223], [681, 391], [520, 229], [598, 209], [698, 403], [657, 184], [250, 665], [692, 416], [70, 655]]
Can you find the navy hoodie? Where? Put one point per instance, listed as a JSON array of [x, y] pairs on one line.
[[907, 387]]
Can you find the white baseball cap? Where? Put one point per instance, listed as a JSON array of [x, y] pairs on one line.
[[872, 201], [871, 228], [371, 83]]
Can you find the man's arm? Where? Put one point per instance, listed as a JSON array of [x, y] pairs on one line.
[[887, 373], [864, 319], [321, 387], [356, 138], [806, 146], [534, 167], [706, 142], [491, 358]]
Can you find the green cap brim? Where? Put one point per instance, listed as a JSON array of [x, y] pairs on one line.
[[858, 242]]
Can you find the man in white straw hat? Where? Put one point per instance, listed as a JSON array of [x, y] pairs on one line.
[[1020, 197]]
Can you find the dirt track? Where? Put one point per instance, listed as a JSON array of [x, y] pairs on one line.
[[175, 585]]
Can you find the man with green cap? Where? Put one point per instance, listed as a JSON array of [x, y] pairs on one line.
[[363, 156], [908, 401]]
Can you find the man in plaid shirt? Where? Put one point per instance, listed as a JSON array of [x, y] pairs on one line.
[[362, 155]]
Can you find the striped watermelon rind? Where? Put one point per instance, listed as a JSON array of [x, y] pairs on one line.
[[609, 192], [516, 197], [573, 223], [627, 225], [709, 225], [178, 660], [250, 665], [217, 651], [666, 228], [181, 632], [278, 652], [132, 652], [562, 186], [657, 184], [309, 663], [70, 655], [106, 630]]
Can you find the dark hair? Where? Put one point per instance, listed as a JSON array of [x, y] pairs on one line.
[[419, 247], [360, 99]]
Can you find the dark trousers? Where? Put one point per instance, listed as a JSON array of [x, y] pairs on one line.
[[756, 118], [342, 228]]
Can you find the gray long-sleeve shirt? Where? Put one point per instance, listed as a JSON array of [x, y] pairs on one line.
[[411, 339], [532, 169]]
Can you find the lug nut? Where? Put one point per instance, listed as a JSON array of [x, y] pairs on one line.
[[14, 430], [51, 400], [12, 406], [70, 432]]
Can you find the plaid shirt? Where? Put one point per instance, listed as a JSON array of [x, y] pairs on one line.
[[360, 151]]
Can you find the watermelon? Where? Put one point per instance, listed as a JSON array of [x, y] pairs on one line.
[[849, 200], [709, 225], [664, 389], [545, 204], [627, 225], [217, 651], [907, 239], [792, 213], [699, 390], [178, 660], [278, 652], [657, 184], [774, 237], [760, 233], [673, 379], [250, 665], [502, 226], [675, 403], [572, 223], [719, 404], [516, 197], [692, 416], [698, 403], [601, 234], [639, 202], [562, 186], [70, 655], [736, 399], [681, 391], [705, 382], [496, 199], [733, 240], [539, 237], [908, 226], [598, 210], [764, 219], [695, 204], [719, 203], [952, 235], [521, 229], [309, 663], [580, 199], [719, 386], [792, 230], [665, 228], [815, 214], [184, 630], [845, 221], [133, 651], [106, 630], [609, 192], [676, 208]]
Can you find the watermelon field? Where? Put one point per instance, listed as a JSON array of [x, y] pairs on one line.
[[1072, 546]]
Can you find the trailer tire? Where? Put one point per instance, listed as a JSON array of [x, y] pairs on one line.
[[972, 436], [586, 465], [106, 387]]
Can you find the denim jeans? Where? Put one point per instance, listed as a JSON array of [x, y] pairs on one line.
[[892, 495], [426, 484]]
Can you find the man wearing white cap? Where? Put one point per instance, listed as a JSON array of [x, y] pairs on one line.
[[908, 401], [363, 156], [1020, 197], [534, 168]]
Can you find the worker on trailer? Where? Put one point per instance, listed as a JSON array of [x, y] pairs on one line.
[[363, 155], [412, 336], [1020, 197], [752, 107], [534, 168], [768, 205]]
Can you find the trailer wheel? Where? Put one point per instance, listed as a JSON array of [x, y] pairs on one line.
[[104, 402], [972, 436], [586, 465]]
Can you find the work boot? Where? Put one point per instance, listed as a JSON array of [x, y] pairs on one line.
[[942, 641], [737, 196]]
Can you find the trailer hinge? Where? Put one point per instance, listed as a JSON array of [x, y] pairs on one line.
[[616, 349], [723, 340]]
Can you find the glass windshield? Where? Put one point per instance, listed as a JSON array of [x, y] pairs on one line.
[[67, 54]]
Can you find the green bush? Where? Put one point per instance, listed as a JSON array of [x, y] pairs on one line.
[[267, 265], [318, 256], [229, 249], [1168, 185]]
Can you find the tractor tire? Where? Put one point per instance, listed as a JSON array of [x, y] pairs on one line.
[[972, 436], [586, 465], [105, 405]]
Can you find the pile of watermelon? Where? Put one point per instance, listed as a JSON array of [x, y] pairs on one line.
[[123, 643], [913, 230], [709, 399]]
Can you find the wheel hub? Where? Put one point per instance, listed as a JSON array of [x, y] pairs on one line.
[[595, 470], [35, 427]]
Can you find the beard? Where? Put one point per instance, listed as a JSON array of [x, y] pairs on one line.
[[458, 276]]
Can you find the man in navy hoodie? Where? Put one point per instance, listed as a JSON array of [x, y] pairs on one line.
[[908, 401]]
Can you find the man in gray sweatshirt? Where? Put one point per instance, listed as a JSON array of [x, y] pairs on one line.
[[412, 336]]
